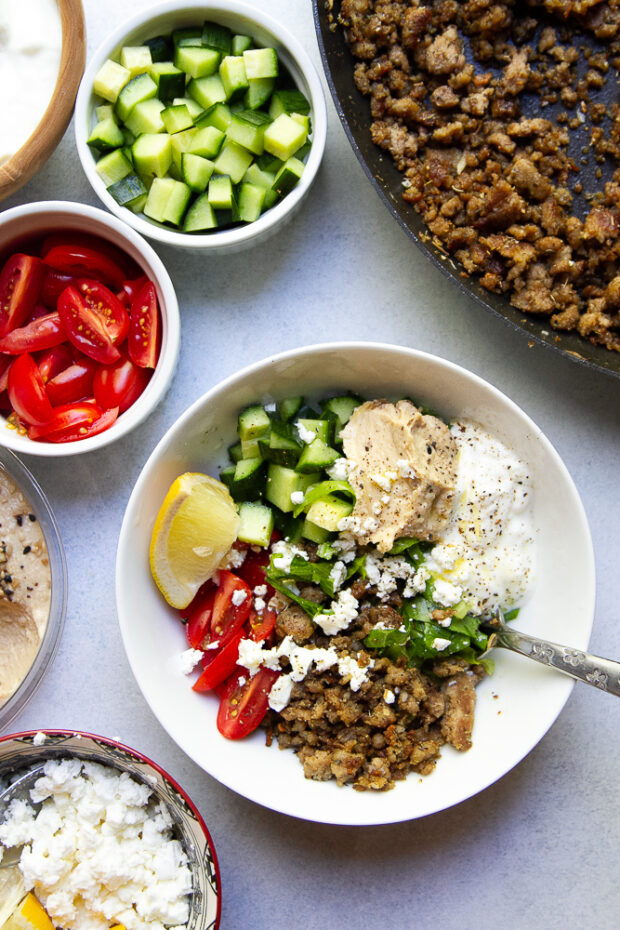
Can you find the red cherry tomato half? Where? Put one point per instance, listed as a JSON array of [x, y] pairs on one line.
[[67, 417], [144, 327], [5, 364], [228, 616], [105, 421], [44, 332], [220, 666], [69, 238], [120, 385], [27, 391], [85, 328], [85, 262], [244, 702], [74, 383], [253, 568], [199, 613], [20, 286], [262, 625], [53, 361], [107, 306], [54, 283], [130, 289]]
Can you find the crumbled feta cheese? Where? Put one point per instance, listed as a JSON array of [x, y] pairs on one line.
[[388, 696], [339, 470], [377, 507], [445, 622], [347, 548], [234, 558], [343, 611], [283, 554], [338, 574], [446, 594], [405, 470], [259, 604], [260, 590], [189, 660], [306, 435], [440, 644], [349, 668], [382, 481], [238, 597], [280, 693], [297, 497]]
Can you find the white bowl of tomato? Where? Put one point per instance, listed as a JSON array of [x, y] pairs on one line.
[[89, 329]]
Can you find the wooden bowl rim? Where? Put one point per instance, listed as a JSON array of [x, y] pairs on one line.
[[37, 148]]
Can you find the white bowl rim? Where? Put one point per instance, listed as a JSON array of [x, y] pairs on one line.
[[223, 239], [565, 684], [166, 363]]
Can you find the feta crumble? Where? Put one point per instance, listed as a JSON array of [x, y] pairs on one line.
[[189, 659], [446, 594], [238, 597], [339, 470], [297, 497], [343, 611], [440, 644], [306, 435]]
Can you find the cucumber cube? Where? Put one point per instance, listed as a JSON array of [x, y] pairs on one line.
[[288, 176], [160, 48], [113, 167], [218, 37], [288, 101], [127, 190], [314, 533], [170, 80], [177, 203], [136, 58], [176, 118], [234, 79], [110, 79], [233, 160], [137, 206], [239, 44], [167, 200], [220, 196], [195, 109], [207, 90], [218, 115], [260, 63], [254, 422], [180, 142], [282, 482], [185, 37], [303, 120], [248, 129], [258, 93], [328, 512], [105, 111], [197, 62], [106, 135], [263, 179], [140, 88], [251, 200], [255, 523], [316, 454], [206, 142], [146, 117], [284, 136], [200, 216], [152, 154], [196, 171]]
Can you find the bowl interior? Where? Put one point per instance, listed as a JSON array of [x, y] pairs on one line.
[[559, 607], [21, 751], [242, 19]]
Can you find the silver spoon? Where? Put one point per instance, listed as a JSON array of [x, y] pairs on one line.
[[602, 673], [18, 789]]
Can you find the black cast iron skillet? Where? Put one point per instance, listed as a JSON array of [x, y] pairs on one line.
[[354, 112]]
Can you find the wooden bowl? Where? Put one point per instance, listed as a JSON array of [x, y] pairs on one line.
[[39, 146]]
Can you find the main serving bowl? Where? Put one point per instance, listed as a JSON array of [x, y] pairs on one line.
[[37, 220], [39, 505], [559, 607], [39, 146], [27, 750], [242, 19]]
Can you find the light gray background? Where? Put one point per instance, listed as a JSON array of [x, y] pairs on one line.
[[538, 849]]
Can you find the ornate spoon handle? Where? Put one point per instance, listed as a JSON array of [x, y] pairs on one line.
[[602, 673]]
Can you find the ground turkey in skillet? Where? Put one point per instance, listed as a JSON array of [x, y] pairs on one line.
[[449, 83], [395, 724]]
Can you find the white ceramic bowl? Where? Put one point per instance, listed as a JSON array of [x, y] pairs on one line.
[[244, 19], [27, 750], [560, 607], [40, 219]]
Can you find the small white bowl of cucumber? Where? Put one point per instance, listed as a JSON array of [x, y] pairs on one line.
[[201, 126]]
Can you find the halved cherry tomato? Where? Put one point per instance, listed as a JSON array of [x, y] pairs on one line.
[[106, 305], [120, 385], [262, 625], [54, 283], [85, 328], [219, 667], [45, 332], [5, 363], [253, 568], [67, 417], [83, 261], [244, 701], [130, 289], [199, 613], [81, 239], [228, 617], [144, 327], [27, 391], [20, 286], [53, 361], [74, 383], [105, 421]]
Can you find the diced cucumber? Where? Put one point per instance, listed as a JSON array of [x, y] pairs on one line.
[[140, 88], [286, 457], [136, 58], [152, 154], [249, 479], [195, 109], [161, 48], [262, 179], [106, 135], [218, 115], [268, 162], [128, 138], [137, 205], [176, 118], [255, 523], [110, 79], [196, 171], [282, 436], [282, 482], [258, 93], [260, 63], [316, 455], [196, 62], [177, 203], [180, 142], [288, 176], [288, 101], [200, 216], [247, 127], [227, 476], [250, 447], [234, 79], [284, 136], [207, 91], [250, 202], [239, 44], [314, 533], [190, 36], [105, 111], [127, 190], [167, 200], [321, 429], [234, 452], [233, 160], [304, 151], [303, 120], [146, 117], [253, 422], [341, 408], [170, 80], [218, 37], [113, 167], [207, 142], [328, 512], [287, 408]]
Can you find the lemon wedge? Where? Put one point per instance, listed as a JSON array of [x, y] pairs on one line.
[[195, 527], [12, 891], [30, 915]]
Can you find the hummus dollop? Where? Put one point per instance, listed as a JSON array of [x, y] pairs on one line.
[[402, 466]]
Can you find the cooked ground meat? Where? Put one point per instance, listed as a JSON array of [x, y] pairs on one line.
[[489, 109], [394, 724]]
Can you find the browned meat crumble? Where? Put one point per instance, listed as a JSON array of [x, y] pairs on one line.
[[359, 737], [479, 103]]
